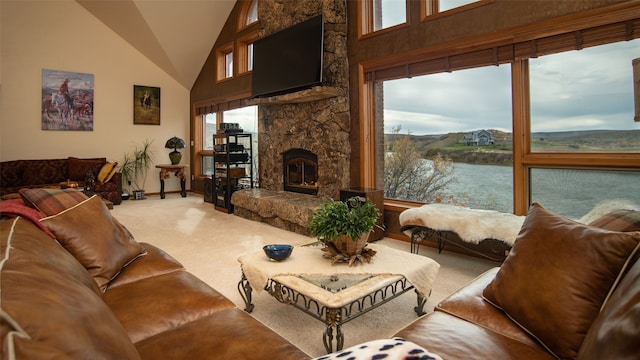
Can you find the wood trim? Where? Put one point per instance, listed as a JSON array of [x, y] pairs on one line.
[[221, 54], [367, 132], [617, 13], [242, 45], [430, 9], [520, 125]]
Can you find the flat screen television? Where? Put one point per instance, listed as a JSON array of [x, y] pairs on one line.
[[289, 60]]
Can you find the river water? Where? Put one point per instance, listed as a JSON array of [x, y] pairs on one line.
[[571, 193]]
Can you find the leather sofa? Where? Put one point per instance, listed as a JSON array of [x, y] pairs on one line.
[[50, 173], [77, 299], [565, 291]]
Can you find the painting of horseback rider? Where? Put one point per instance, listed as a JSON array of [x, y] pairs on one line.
[[67, 101]]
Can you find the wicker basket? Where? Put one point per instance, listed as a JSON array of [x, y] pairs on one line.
[[345, 245]]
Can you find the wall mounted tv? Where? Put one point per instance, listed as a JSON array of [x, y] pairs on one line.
[[289, 60]]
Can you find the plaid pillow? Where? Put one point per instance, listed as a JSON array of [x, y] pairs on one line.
[[51, 201], [619, 220]]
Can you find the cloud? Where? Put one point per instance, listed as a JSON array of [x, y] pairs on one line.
[[590, 89]]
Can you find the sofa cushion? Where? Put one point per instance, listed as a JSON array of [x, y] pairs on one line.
[[106, 172], [184, 298], [51, 307], [557, 277], [468, 304], [95, 238], [453, 338], [156, 262], [615, 333], [226, 334], [38, 172], [51, 201], [78, 168]]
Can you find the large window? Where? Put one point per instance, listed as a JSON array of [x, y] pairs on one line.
[[448, 138], [574, 192], [247, 119], [569, 143], [582, 101], [209, 128]]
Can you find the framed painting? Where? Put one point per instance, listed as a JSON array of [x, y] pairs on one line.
[[146, 105], [67, 101]]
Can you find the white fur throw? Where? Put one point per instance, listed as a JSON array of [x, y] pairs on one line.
[[471, 225]]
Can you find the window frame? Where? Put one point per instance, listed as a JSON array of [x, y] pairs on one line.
[[366, 21], [556, 35], [243, 51], [222, 53], [429, 9], [243, 16]]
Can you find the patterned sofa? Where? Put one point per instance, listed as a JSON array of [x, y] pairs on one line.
[[49, 173]]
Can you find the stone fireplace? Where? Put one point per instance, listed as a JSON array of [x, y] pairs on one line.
[[315, 121], [300, 171]]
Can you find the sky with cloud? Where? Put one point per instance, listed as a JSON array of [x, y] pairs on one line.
[[590, 89]]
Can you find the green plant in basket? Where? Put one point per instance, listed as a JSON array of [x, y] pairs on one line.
[[344, 228]]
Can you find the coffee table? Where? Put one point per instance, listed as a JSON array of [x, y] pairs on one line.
[[336, 294]]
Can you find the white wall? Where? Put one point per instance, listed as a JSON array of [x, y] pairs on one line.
[[62, 35]]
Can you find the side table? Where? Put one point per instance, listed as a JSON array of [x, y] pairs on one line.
[[178, 170]]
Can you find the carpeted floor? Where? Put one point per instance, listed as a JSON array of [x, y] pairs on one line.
[[208, 242]]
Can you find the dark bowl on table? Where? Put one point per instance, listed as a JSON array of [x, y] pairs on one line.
[[277, 252]]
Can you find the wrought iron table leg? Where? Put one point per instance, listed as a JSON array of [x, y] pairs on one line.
[[244, 288], [421, 302], [333, 321]]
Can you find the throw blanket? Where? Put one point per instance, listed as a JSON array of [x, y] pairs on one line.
[[471, 225], [16, 207], [420, 271]]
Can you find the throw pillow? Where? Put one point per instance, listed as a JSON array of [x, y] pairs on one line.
[[51, 201], [107, 171], [97, 240], [557, 277], [620, 220], [78, 168]]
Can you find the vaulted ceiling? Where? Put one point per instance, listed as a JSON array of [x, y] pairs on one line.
[[176, 35]]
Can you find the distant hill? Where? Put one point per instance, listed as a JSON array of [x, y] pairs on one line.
[[500, 152]]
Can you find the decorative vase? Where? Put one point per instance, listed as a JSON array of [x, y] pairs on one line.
[[345, 249], [175, 157], [347, 246]]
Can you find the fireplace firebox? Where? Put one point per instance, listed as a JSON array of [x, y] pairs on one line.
[[300, 171]]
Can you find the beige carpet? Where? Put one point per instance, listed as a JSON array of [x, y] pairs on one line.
[[208, 242]]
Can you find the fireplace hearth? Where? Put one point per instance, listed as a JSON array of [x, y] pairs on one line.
[[300, 171]]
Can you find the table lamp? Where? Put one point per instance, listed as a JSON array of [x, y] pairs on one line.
[[175, 143]]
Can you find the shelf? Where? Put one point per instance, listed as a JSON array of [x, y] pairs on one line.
[[231, 165], [313, 94]]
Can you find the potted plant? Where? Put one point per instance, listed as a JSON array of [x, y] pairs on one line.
[[344, 228], [135, 166]]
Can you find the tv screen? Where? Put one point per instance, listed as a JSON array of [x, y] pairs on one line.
[[289, 60]]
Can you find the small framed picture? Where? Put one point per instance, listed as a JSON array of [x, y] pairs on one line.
[[146, 105]]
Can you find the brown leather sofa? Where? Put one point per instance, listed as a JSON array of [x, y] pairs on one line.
[[49, 173], [565, 291], [55, 305]]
